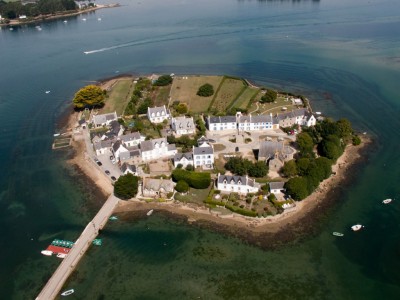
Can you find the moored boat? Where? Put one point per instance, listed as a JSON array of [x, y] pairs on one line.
[[337, 233], [61, 255], [47, 252], [357, 227], [387, 201], [113, 218], [150, 212], [67, 293]]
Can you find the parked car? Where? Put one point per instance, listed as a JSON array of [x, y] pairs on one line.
[[107, 172], [99, 163], [113, 178], [236, 149]]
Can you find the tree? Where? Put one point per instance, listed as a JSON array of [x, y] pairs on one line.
[[331, 147], [181, 108], [163, 80], [126, 186], [206, 90], [90, 96], [343, 128], [258, 169], [290, 168], [182, 186], [269, 96], [325, 165], [189, 167], [302, 165], [297, 188], [356, 140], [305, 143]]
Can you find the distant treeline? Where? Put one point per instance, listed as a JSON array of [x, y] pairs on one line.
[[13, 10]]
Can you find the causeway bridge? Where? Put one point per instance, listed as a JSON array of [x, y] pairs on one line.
[[54, 285]]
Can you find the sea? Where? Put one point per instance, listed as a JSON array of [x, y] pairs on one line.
[[343, 55]]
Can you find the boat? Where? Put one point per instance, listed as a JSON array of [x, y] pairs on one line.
[[47, 252], [61, 255], [97, 242], [150, 212], [56, 134], [113, 218], [357, 227], [47, 92], [337, 234], [65, 21], [83, 19], [67, 293], [387, 201], [98, 19]]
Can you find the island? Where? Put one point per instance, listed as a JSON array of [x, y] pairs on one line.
[[218, 151]]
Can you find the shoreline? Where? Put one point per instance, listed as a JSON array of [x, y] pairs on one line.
[[265, 232], [45, 18]]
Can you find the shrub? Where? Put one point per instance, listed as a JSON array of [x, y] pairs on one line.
[[206, 90], [182, 186], [126, 186], [356, 140], [163, 80]]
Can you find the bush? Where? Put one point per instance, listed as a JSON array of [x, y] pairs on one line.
[[163, 80], [126, 186], [193, 179], [269, 96], [356, 140], [182, 186], [181, 108], [189, 167], [206, 90]]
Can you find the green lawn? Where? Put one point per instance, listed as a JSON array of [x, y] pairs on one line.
[[274, 108], [245, 97], [194, 196], [184, 90], [118, 97], [228, 92], [160, 95]]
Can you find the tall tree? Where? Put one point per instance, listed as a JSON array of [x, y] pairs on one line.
[[90, 96]]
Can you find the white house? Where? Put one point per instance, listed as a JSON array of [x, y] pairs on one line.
[[276, 188], [257, 123], [203, 156], [132, 139], [237, 184], [120, 151], [157, 187], [299, 116], [184, 159], [129, 169], [221, 123], [157, 148], [158, 114], [183, 125], [104, 119], [102, 147]]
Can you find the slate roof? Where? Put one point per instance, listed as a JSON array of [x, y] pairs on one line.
[[150, 144], [202, 150], [236, 180], [104, 118], [103, 144], [126, 166], [269, 148], [221, 119], [276, 185], [257, 119], [183, 123], [171, 147], [158, 184], [134, 136], [116, 145], [293, 114], [179, 156], [157, 109]]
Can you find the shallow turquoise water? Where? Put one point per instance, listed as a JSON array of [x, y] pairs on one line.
[[346, 50]]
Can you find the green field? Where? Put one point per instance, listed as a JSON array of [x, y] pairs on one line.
[[227, 93], [184, 90], [274, 108], [118, 97], [160, 95], [243, 100]]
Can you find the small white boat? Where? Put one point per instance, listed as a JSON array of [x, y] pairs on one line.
[[83, 19], [99, 19], [337, 234], [67, 293], [318, 113], [65, 21], [56, 134], [47, 92], [61, 255], [47, 252], [357, 227], [387, 201], [150, 212]]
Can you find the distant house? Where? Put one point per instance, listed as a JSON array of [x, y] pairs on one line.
[[203, 156], [157, 187], [132, 139], [157, 148], [300, 117], [257, 123], [129, 169], [276, 187], [183, 125], [275, 154], [184, 159], [104, 119], [237, 184], [297, 101], [158, 114], [22, 17], [221, 123], [120, 152]]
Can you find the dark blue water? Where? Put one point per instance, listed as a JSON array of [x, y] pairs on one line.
[[348, 50]]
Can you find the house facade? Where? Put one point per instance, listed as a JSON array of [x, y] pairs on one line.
[[157, 148], [221, 123], [184, 159], [299, 116], [120, 151], [183, 125], [158, 114], [237, 184], [276, 187], [132, 139], [104, 119], [203, 156], [257, 123], [102, 147]]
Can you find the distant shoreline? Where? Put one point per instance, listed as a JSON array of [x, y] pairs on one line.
[[59, 15], [265, 232]]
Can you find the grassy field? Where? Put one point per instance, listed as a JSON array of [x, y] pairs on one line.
[[118, 97], [184, 90], [274, 108], [227, 93], [245, 97], [160, 95]]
